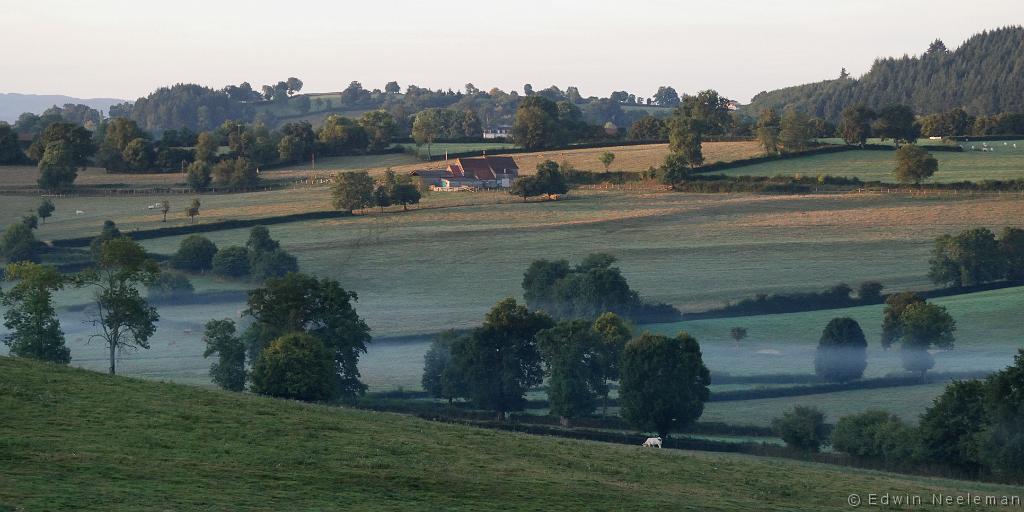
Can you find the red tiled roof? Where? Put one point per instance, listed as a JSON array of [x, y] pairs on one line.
[[485, 167]]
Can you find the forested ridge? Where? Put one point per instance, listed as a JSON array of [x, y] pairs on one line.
[[984, 76]]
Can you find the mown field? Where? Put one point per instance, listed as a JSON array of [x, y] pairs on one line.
[[77, 440], [1006, 162]]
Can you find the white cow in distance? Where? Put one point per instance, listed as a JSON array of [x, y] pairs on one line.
[[652, 442]]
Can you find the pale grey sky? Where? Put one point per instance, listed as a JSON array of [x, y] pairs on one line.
[[104, 48]]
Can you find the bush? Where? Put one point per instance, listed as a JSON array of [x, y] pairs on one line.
[[170, 286], [195, 254], [842, 351], [232, 262], [803, 428], [876, 435], [275, 263], [296, 366], [949, 429]]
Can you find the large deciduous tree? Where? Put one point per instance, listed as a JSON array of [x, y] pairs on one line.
[[768, 126], [914, 164], [842, 351], [228, 371], [971, 257], [296, 366], [855, 125], [30, 316], [125, 319], [318, 307], [536, 124], [500, 360], [352, 190], [571, 357], [664, 382], [923, 327]]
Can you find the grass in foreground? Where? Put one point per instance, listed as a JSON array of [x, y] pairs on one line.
[[73, 439]]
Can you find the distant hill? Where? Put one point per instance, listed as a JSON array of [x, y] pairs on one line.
[[13, 105], [984, 76]]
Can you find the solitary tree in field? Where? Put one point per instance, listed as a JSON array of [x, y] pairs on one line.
[[842, 351], [924, 326], [914, 165], [405, 194], [193, 211], [664, 382], [229, 370], [352, 190], [165, 206], [738, 334], [125, 319], [500, 360], [606, 159], [30, 316], [895, 305], [768, 131], [45, 209]]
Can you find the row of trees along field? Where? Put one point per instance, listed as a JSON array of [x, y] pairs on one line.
[[973, 428]]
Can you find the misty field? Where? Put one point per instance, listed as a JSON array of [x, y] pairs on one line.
[[444, 266], [1005, 162]]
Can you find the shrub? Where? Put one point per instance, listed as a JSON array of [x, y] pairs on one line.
[[842, 351], [170, 286], [803, 428], [949, 429], [296, 366], [195, 254], [275, 263], [232, 262]]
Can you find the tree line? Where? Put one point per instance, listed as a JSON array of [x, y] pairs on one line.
[[974, 77]]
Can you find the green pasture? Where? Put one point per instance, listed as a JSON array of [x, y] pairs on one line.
[[74, 439], [1005, 162], [907, 402], [440, 148]]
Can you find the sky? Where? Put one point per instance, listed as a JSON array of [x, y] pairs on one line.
[[125, 49]]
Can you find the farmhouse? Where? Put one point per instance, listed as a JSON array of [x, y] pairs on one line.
[[471, 173], [498, 132]]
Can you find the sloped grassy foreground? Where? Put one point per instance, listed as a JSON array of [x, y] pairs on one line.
[[72, 439]]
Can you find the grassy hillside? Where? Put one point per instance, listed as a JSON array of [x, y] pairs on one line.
[[1006, 162], [76, 440]]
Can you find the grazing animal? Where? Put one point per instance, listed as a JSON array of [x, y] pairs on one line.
[[79, 212], [652, 442]]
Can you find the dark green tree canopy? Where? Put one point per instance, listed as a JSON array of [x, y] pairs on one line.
[[195, 254], [663, 383], [500, 360], [30, 314], [319, 307], [296, 366], [228, 371], [842, 351], [914, 164]]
